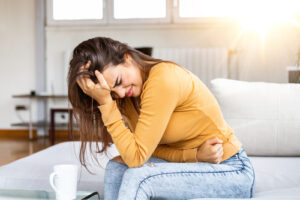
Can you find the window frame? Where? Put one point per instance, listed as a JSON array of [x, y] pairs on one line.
[[202, 20], [112, 20], [50, 21], [172, 17]]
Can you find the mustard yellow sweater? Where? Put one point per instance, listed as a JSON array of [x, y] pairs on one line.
[[178, 113]]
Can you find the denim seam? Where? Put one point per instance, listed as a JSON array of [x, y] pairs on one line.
[[185, 173], [252, 186]]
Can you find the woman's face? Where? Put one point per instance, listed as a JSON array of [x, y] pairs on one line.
[[124, 80]]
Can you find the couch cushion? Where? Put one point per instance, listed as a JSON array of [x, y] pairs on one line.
[[32, 172], [275, 174], [265, 116], [275, 178]]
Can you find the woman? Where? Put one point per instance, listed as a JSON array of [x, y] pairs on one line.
[[177, 145]]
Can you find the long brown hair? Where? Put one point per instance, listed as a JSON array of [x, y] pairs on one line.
[[101, 52]]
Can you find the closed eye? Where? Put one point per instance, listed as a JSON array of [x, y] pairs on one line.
[[120, 83], [117, 83]]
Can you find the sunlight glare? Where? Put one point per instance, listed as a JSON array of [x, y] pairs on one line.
[[262, 15]]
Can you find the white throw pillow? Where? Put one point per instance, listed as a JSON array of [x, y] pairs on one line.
[[264, 116]]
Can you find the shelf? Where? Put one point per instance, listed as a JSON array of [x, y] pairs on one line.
[[41, 96], [43, 124]]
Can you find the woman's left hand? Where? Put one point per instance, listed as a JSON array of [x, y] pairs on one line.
[[99, 91]]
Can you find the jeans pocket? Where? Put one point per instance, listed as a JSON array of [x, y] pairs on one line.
[[242, 155], [233, 161]]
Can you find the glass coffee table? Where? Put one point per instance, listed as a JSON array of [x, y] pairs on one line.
[[40, 194]]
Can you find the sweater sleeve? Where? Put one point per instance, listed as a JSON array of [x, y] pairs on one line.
[[168, 153], [163, 151], [158, 101]]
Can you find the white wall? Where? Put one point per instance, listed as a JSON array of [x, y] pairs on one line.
[[257, 61], [17, 57], [60, 40]]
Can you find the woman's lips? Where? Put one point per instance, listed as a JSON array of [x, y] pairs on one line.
[[130, 92]]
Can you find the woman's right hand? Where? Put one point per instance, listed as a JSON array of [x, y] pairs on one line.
[[210, 151], [99, 91]]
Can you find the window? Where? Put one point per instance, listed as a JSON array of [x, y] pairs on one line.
[[245, 11], [71, 11], [206, 11], [138, 9], [77, 9], [118, 11], [211, 8], [165, 11]]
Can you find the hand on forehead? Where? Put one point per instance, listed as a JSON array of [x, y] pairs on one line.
[[85, 81]]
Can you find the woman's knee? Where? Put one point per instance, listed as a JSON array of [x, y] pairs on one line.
[[132, 182], [114, 164], [112, 179], [114, 168]]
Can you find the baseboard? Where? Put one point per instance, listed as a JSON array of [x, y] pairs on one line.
[[16, 134], [21, 134], [64, 134]]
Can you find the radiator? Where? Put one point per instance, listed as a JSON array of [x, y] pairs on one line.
[[206, 63]]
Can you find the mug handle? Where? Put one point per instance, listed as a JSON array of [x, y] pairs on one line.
[[51, 179]]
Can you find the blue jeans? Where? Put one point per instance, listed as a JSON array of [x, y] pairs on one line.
[[160, 179]]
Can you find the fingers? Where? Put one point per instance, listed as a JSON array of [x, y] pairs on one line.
[[214, 140], [86, 85], [87, 66], [216, 149], [221, 153], [218, 157], [217, 153], [101, 80], [84, 81]]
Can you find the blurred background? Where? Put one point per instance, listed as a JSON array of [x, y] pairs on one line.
[[250, 40]]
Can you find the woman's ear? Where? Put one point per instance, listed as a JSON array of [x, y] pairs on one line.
[[127, 56], [128, 59]]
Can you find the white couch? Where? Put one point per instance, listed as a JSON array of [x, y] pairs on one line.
[[265, 117]]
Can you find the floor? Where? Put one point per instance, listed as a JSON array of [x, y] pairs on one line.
[[13, 149]]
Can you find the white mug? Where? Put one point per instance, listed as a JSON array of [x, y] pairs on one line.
[[64, 181]]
